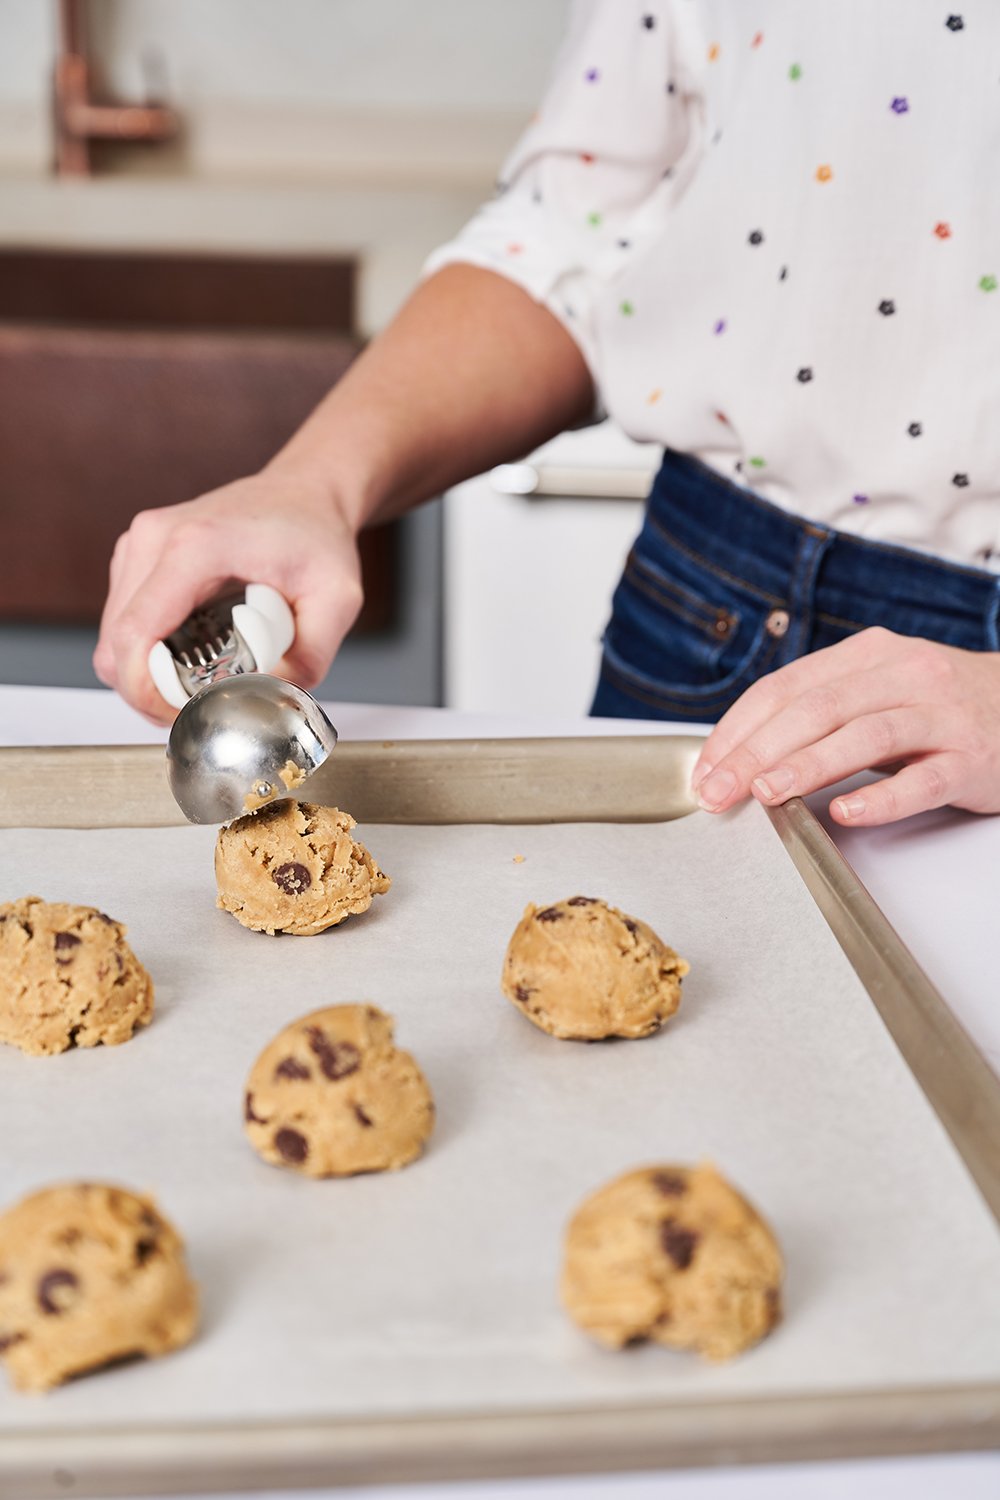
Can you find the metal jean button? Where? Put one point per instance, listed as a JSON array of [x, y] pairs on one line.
[[777, 622]]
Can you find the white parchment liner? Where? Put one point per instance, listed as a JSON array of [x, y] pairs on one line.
[[433, 1289]]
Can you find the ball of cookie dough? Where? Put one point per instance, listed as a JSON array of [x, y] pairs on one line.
[[294, 867], [676, 1255], [583, 970], [67, 978], [89, 1274], [332, 1095]]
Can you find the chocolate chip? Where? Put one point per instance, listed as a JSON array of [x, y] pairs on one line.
[[292, 878], [66, 940], [336, 1059], [144, 1250], [55, 1290], [8, 1340], [362, 1118], [679, 1243], [582, 901], [290, 1067], [523, 993], [550, 914], [670, 1184], [633, 927], [105, 918], [291, 1145], [248, 1113]]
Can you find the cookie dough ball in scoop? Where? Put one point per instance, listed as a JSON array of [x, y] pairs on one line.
[[89, 1274], [583, 970], [332, 1095], [68, 978], [294, 867], [672, 1254]]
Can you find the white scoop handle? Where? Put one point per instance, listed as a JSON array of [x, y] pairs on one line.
[[264, 620]]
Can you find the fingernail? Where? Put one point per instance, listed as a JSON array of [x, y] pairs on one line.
[[850, 807], [716, 789], [698, 775], [774, 783]]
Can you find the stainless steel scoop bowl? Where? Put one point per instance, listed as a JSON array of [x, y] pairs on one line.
[[243, 741]]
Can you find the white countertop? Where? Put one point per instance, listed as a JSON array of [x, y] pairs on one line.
[[934, 878]]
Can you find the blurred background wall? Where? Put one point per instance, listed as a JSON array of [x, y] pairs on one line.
[[324, 148]]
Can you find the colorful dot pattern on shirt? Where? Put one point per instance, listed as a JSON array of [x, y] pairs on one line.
[[591, 72]]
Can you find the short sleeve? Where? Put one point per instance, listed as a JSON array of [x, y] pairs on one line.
[[587, 177]]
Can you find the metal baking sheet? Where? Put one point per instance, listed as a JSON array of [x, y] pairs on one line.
[[406, 1325]]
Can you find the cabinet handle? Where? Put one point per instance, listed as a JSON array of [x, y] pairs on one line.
[[548, 481]]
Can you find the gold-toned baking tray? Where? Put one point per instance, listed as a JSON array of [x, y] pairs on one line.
[[522, 782]]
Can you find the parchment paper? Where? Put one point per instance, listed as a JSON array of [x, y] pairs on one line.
[[434, 1289]]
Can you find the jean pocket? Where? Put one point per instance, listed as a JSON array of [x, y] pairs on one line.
[[680, 632]]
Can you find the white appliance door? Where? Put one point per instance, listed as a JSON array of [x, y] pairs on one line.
[[529, 576]]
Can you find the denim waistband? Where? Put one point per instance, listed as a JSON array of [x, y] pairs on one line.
[[851, 579]]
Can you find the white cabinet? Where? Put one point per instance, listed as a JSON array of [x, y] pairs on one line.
[[529, 577]]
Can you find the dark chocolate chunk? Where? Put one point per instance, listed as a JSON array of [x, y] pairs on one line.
[[105, 918], [66, 940], [550, 914], [8, 1340], [292, 1145], [523, 993], [679, 1243], [582, 901], [336, 1059], [290, 1067], [362, 1118], [633, 927], [144, 1250], [55, 1291], [292, 878], [248, 1113], [670, 1184]]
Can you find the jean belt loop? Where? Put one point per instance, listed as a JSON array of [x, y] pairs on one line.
[[816, 541], [992, 617]]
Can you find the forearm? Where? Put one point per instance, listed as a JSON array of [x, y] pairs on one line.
[[472, 371]]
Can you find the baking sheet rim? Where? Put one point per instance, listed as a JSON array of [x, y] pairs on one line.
[[154, 1460], [952, 1073]]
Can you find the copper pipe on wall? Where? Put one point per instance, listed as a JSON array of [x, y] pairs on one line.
[[78, 118]]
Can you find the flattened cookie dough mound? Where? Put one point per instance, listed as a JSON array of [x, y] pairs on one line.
[[583, 970], [89, 1274], [67, 978], [294, 867], [676, 1255], [332, 1095]]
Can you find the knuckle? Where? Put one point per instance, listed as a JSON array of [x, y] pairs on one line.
[[935, 783], [821, 705], [144, 525], [888, 799], [878, 639], [883, 735], [192, 533]]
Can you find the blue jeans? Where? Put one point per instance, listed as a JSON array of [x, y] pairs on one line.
[[722, 587]]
